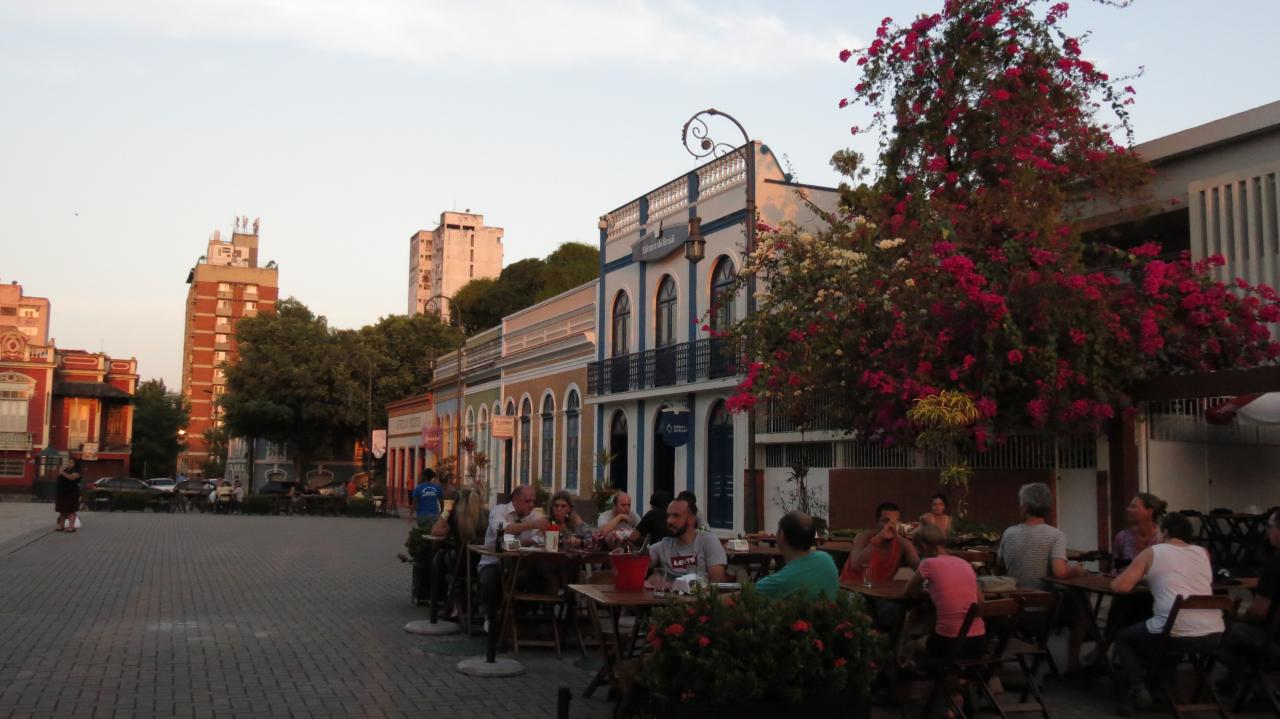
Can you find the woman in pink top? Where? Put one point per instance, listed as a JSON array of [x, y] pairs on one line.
[[952, 585]]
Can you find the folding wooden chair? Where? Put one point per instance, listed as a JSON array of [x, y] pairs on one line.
[[1031, 639], [1201, 654], [998, 616], [549, 606], [1256, 682]]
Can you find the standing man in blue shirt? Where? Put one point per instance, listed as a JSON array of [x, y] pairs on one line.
[[426, 499]]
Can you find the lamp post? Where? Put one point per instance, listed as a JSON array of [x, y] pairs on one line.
[[697, 139], [462, 363]]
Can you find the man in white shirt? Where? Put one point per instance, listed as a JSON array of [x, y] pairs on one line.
[[516, 517], [619, 517]]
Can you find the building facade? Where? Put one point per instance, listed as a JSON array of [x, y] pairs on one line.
[[24, 314], [660, 381], [462, 248], [226, 285], [545, 351]]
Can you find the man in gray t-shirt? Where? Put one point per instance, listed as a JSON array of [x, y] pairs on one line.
[[687, 550]]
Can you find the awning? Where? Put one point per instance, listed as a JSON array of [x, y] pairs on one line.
[[97, 390]]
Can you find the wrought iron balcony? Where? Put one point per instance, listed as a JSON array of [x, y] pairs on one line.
[[15, 440], [687, 363]]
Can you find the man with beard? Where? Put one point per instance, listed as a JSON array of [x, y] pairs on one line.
[[687, 550]]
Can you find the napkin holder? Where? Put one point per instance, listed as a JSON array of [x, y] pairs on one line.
[[687, 584], [739, 545]]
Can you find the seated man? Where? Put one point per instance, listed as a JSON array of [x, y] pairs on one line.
[[653, 525], [1246, 640], [1172, 569], [808, 572], [1033, 550], [516, 517], [877, 555], [687, 550], [618, 517]]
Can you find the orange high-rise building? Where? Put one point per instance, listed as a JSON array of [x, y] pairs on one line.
[[225, 285]]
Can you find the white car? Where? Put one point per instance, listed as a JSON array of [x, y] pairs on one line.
[[164, 484]]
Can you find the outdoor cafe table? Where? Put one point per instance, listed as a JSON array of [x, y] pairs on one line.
[[615, 601], [512, 561], [895, 590], [1100, 584], [761, 555]]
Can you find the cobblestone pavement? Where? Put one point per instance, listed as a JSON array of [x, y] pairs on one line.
[[158, 615]]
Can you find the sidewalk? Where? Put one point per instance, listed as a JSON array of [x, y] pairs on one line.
[[18, 519]]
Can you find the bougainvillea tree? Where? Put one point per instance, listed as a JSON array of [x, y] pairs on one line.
[[960, 267]]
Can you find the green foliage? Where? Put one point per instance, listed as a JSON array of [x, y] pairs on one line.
[[359, 507], [158, 414], [417, 544], [294, 382], [397, 349], [484, 302], [571, 265], [713, 650], [216, 463]]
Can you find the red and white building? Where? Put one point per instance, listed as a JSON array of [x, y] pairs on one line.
[[58, 403]]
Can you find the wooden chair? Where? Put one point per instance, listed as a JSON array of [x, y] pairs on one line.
[[1171, 652], [999, 616], [544, 605], [1031, 639], [1256, 682]]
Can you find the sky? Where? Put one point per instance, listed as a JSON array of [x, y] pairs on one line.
[[133, 129]]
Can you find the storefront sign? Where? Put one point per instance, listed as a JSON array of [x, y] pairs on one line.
[[674, 427], [502, 427], [660, 245], [431, 437], [379, 443]]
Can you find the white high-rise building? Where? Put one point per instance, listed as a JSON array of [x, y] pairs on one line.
[[442, 260]]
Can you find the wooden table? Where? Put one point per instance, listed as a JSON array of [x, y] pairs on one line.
[[615, 601], [762, 555], [499, 620], [1100, 585], [895, 590]]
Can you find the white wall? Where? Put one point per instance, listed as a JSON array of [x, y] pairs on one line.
[[1204, 476], [775, 478], [1078, 507]]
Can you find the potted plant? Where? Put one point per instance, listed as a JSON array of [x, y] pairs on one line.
[[603, 490], [752, 657]]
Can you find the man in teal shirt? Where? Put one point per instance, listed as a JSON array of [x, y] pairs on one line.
[[808, 572]]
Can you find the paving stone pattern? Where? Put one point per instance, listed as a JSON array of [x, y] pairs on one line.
[[147, 615]]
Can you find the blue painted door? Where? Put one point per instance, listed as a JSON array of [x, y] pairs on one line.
[[720, 468]]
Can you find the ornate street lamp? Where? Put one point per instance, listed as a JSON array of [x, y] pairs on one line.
[[695, 248]]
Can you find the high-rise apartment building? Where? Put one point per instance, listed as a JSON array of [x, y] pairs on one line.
[[225, 285], [442, 260], [24, 314]]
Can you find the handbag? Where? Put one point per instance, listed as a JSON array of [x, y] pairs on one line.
[[77, 523]]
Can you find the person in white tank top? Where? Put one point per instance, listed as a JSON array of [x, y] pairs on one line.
[[1173, 569]]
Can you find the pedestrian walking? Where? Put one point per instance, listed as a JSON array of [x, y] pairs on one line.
[[67, 495]]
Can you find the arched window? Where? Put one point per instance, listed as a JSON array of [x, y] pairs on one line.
[[618, 442], [548, 439], [665, 318], [721, 298], [621, 325], [469, 430], [572, 428], [526, 429]]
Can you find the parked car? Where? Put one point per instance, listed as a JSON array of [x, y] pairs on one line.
[[134, 490], [164, 484], [193, 486]]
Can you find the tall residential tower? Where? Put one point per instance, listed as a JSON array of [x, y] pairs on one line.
[[442, 260], [225, 285]]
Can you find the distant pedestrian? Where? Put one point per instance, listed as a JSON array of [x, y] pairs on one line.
[[67, 496], [426, 499]]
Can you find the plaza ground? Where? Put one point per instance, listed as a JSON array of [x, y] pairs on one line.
[[157, 615], [190, 615]]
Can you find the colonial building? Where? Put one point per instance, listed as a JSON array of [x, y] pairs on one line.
[[225, 285], [56, 404], [659, 382], [407, 423], [462, 248], [545, 351], [24, 314]]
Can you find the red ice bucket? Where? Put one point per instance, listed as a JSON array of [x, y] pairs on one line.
[[629, 571]]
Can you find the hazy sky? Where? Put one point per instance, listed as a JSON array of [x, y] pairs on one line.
[[132, 129]]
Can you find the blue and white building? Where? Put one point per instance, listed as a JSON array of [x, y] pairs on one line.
[[660, 381]]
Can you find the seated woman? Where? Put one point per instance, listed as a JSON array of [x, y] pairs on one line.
[[952, 586], [1143, 516], [464, 525], [573, 530], [937, 514]]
